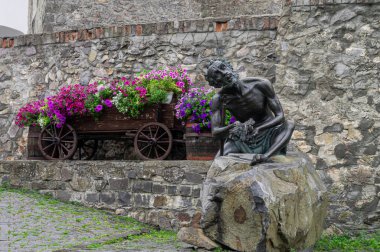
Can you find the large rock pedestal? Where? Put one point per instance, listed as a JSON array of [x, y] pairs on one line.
[[268, 207]]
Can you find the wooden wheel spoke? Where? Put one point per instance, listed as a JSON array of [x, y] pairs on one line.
[[46, 147], [65, 148], [59, 151], [142, 133], [48, 139], [143, 141], [67, 134], [155, 134], [60, 132], [157, 155], [163, 141], [55, 147], [150, 131], [150, 150], [55, 130], [67, 141], [146, 146], [163, 134], [159, 146], [51, 134]]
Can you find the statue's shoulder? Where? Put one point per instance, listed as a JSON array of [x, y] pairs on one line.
[[262, 84], [255, 81]]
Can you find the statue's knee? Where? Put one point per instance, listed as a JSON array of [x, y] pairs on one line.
[[290, 126]]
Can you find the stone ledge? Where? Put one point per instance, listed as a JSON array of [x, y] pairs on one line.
[[260, 23], [163, 193], [305, 3]]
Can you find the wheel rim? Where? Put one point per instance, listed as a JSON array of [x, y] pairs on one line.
[[153, 141], [58, 143], [86, 150]]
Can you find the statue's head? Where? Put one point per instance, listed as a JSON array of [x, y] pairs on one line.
[[220, 73]]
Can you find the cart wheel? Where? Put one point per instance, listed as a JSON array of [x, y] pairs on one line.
[[58, 143], [86, 149], [153, 141]]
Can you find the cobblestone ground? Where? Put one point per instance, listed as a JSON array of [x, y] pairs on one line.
[[31, 222]]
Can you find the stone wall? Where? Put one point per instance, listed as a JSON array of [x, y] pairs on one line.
[[36, 16], [35, 66], [57, 15], [162, 193], [328, 82]]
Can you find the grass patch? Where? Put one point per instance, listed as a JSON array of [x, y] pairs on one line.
[[159, 236], [362, 242]]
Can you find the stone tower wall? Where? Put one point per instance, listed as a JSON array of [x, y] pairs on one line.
[[328, 81], [58, 15]]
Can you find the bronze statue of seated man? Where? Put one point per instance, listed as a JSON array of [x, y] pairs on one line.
[[261, 127]]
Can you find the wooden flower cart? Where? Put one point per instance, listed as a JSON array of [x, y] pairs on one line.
[[153, 134]]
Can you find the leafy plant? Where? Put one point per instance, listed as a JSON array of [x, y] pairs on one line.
[[195, 107]]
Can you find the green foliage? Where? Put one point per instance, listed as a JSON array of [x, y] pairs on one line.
[[362, 242]]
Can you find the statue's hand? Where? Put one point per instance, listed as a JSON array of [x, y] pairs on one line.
[[259, 158], [235, 130], [255, 131]]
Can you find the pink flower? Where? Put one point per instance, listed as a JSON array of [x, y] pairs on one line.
[[98, 108]]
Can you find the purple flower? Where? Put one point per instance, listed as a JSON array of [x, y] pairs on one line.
[[98, 108], [108, 103], [197, 128], [203, 102], [232, 120]]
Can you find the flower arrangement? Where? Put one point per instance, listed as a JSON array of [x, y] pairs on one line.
[[69, 101], [195, 107], [128, 96]]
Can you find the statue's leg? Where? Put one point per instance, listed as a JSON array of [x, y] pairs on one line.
[[229, 147], [281, 140], [278, 143]]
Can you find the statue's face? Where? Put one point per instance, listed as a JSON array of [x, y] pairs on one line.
[[220, 75]]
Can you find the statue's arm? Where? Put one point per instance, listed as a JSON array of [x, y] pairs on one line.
[[217, 125], [274, 105]]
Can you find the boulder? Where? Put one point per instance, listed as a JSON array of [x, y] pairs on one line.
[[274, 206]]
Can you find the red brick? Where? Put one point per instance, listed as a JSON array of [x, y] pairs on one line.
[[61, 37], [266, 23], [11, 42], [4, 44], [273, 23], [221, 26], [73, 36], [138, 30], [128, 30], [99, 32]]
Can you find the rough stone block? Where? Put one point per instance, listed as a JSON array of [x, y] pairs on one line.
[[118, 184], [158, 189], [141, 200], [63, 195], [92, 197], [268, 207], [172, 190], [196, 192], [194, 178], [160, 201], [108, 198], [142, 186], [124, 198], [185, 190]]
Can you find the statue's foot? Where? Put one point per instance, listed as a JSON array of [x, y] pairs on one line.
[[258, 158]]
